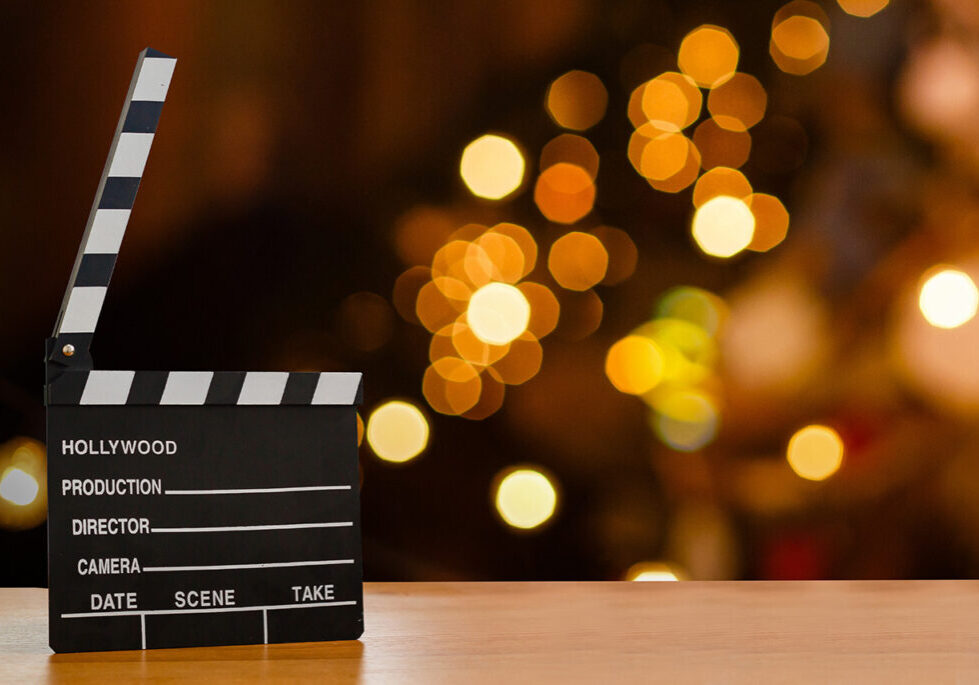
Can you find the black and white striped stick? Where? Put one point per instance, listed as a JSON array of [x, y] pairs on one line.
[[114, 199]]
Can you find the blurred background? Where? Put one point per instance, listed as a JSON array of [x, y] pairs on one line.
[[646, 289]]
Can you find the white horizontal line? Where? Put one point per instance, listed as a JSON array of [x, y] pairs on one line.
[[224, 567], [216, 610], [256, 491], [280, 526]]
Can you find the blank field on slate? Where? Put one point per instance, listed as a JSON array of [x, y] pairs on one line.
[[190, 508]]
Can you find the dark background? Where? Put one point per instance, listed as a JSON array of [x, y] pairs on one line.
[[295, 135]]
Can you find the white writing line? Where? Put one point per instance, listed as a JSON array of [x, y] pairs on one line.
[[226, 529], [224, 567], [150, 612], [256, 491]]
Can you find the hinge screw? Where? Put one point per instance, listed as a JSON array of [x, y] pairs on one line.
[[68, 350]]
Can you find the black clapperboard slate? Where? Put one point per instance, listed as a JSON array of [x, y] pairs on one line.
[[190, 508]]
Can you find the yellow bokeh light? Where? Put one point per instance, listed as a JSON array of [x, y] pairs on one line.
[[709, 55], [652, 571], [577, 261], [723, 226], [863, 8], [771, 221], [564, 193], [18, 487], [577, 100], [634, 365], [699, 307], [815, 452], [739, 103], [800, 37], [492, 167], [397, 431], [686, 420], [948, 297], [498, 313], [525, 498]]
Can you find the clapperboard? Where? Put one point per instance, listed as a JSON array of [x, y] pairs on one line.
[[190, 508]]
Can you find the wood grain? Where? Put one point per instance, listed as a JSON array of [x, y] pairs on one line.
[[819, 632]]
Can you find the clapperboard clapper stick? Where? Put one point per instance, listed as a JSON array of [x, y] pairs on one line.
[[190, 508]]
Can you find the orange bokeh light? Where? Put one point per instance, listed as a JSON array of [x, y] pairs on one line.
[[564, 193]]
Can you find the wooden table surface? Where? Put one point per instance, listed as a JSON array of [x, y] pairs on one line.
[[720, 632]]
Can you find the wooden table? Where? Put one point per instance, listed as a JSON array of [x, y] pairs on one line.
[[820, 632]]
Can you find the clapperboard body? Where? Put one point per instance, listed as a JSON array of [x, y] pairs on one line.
[[190, 508]]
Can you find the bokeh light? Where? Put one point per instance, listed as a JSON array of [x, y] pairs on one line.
[[800, 37], [570, 149], [670, 102], [771, 221], [709, 55], [863, 8], [948, 297], [564, 193], [634, 365], [702, 308], [815, 452], [522, 361], [492, 167], [397, 431], [420, 231], [451, 385], [739, 103], [721, 147], [498, 313], [577, 261], [686, 419], [664, 156], [18, 487], [545, 310], [577, 100], [23, 484], [721, 181], [525, 497], [524, 240], [623, 255], [723, 226], [652, 571]]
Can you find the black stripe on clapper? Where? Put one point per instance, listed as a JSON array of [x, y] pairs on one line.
[[225, 387], [300, 388], [67, 388], [119, 192], [95, 269], [147, 387], [142, 117]]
